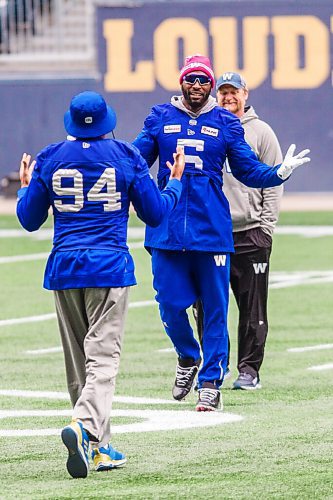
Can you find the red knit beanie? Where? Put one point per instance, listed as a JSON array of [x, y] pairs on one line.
[[197, 63]]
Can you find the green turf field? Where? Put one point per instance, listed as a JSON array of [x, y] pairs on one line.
[[281, 442]]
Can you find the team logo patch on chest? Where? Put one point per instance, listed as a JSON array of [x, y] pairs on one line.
[[172, 129], [209, 131]]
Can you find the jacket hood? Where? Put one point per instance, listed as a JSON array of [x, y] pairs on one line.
[[177, 101], [249, 115]]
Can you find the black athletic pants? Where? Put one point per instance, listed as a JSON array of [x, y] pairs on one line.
[[249, 282]]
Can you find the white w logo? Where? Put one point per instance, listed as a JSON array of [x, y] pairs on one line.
[[259, 267], [227, 76], [220, 260]]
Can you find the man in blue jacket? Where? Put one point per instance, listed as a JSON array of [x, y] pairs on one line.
[[89, 182], [191, 248]]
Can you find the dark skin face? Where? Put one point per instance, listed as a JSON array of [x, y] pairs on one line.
[[195, 96]]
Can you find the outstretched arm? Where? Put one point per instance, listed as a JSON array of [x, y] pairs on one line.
[[251, 172], [291, 162], [177, 169], [248, 169], [26, 170], [33, 200]]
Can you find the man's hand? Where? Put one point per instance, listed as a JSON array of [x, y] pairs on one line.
[[26, 170], [177, 168], [291, 162]]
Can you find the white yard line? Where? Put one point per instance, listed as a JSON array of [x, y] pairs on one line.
[[148, 420], [312, 348], [319, 368], [28, 319], [142, 303], [318, 347], [305, 231], [44, 255], [277, 280], [46, 317], [24, 258], [58, 396], [15, 393], [133, 233], [283, 279], [50, 350], [13, 233], [135, 244], [138, 232]]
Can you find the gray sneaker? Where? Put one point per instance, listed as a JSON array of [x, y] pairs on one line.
[[247, 382]]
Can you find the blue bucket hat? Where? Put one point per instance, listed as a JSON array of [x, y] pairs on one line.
[[89, 116], [229, 78]]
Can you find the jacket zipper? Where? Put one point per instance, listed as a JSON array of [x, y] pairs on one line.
[[186, 206]]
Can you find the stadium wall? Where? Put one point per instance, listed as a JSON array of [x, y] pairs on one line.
[[283, 49]]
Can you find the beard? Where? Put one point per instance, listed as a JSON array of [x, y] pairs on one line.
[[195, 100]]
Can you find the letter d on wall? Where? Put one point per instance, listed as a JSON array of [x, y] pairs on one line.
[[288, 74]]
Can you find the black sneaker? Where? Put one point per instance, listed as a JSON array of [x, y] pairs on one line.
[[209, 398], [247, 382], [185, 375]]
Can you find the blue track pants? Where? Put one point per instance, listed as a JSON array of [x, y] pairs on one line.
[[181, 278]]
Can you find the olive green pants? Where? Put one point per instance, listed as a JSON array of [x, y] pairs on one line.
[[91, 323]]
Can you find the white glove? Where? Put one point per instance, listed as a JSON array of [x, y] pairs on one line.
[[290, 162]]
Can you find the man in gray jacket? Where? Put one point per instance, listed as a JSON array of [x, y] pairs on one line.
[[254, 215]]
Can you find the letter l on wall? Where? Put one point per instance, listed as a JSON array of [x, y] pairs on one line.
[[119, 77]]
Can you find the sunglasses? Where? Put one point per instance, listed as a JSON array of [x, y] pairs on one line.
[[192, 79]]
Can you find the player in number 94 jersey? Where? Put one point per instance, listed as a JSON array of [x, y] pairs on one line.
[[89, 183], [191, 248]]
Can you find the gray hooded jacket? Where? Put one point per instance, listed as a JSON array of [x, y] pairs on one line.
[[177, 101], [251, 207]]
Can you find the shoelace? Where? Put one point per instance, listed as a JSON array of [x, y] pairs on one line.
[[184, 375], [208, 396]]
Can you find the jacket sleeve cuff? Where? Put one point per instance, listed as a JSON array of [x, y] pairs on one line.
[[21, 192], [175, 183]]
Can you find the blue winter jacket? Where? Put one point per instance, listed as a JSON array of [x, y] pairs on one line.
[[89, 185], [201, 221]]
